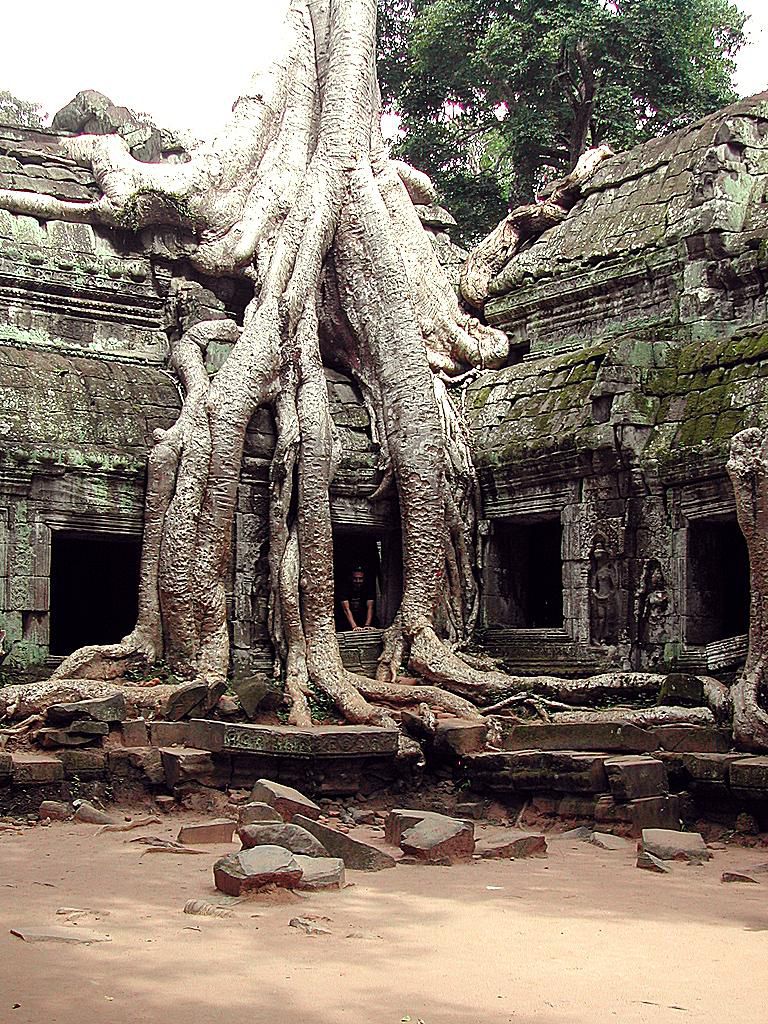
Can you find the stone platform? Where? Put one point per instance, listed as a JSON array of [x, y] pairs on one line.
[[177, 758]]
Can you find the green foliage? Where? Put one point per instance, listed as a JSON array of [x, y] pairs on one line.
[[25, 113], [159, 671], [498, 97]]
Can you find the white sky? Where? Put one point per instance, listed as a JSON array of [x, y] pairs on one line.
[[185, 61]]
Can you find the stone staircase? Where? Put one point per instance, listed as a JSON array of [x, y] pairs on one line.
[[531, 652]]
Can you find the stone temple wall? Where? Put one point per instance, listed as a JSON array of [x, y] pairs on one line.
[[641, 330]]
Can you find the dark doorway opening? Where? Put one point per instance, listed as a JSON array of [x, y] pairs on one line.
[[379, 555], [94, 589], [718, 582], [524, 582]]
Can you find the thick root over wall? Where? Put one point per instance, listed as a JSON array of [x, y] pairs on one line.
[[299, 198]]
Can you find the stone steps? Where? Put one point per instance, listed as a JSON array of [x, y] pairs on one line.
[[645, 790]]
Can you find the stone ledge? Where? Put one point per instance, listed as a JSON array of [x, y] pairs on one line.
[[321, 741]]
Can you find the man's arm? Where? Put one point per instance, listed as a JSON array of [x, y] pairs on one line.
[[369, 613], [348, 613]]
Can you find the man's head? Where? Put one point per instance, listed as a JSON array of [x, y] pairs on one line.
[[358, 577]]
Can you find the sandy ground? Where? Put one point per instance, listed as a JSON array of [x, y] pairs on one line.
[[583, 936]]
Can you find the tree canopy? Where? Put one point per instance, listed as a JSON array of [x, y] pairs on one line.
[[497, 97]]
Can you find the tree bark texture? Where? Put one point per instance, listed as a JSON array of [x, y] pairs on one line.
[[748, 470]]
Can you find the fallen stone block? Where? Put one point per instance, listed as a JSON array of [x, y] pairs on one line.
[[606, 841], [668, 845], [400, 819], [72, 936], [654, 812], [633, 777], [6, 766], [517, 845], [91, 815], [99, 709], [738, 876], [618, 736], [457, 737], [309, 926], [143, 764], [321, 873], [251, 691], [285, 800], [582, 834], [438, 839], [135, 733], [220, 831], [357, 856], [55, 810], [183, 765], [256, 812], [251, 870], [286, 834], [681, 691], [183, 700], [648, 862], [36, 769]]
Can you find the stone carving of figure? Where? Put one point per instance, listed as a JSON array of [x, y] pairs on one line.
[[653, 608], [603, 593]]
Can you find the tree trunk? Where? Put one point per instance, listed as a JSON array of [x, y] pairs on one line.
[[748, 470]]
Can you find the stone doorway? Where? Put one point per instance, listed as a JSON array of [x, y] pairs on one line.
[[94, 589], [524, 579], [717, 599], [380, 557]]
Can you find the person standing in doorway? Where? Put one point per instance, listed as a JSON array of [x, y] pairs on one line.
[[357, 602]]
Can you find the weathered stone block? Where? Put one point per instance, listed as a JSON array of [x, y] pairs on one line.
[[285, 800], [184, 764], [321, 873], [321, 741], [219, 831], [598, 736], [712, 769], [438, 839], [98, 709], [654, 812], [608, 811], [135, 733], [6, 766], [681, 690], [514, 843], [204, 734], [750, 776], [670, 845], [633, 776], [83, 762], [144, 764], [693, 738], [256, 812], [184, 700], [356, 855], [168, 734], [36, 769], [457, 737], [250, 870], [289, 835]]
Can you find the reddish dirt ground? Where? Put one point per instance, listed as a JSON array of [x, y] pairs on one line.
[[582, 936]]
